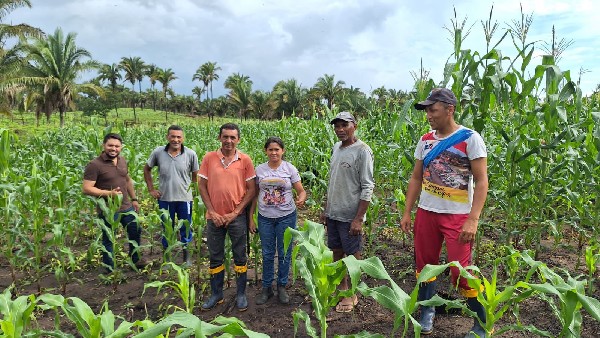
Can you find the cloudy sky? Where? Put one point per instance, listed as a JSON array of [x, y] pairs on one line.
[[367, 44]]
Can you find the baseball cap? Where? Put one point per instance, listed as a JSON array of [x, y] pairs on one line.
[[344, 116], [437, 95]]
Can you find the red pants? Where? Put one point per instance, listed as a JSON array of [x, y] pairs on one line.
[[431, 229]]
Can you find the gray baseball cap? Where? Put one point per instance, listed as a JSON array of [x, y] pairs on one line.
[[344, 116], [437, 95]]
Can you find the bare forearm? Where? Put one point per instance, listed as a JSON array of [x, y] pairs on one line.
[[148, 178], [479, 196], [130, 189], [412, 193], [205, 198], [362, 210]]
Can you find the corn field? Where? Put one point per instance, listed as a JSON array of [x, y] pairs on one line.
[[543, 140]]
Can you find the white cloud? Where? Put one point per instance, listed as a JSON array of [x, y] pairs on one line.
[[366, 44]]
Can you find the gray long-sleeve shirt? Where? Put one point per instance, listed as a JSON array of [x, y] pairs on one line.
[[350, 180]]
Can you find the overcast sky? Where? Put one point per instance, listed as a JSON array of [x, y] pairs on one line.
[[367, 44]]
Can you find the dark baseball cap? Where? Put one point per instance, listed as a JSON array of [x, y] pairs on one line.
[[344, 116], [437, 95]]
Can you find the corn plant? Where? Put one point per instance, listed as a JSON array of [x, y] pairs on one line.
[[88, 323], [32, 193], [5, 139], [110, 211], [16, 314], [12, 231], [313, 261], [566, 298], [192, 326], [184, 289], [592, 255]]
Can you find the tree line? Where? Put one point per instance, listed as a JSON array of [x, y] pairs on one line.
[[39, 72]]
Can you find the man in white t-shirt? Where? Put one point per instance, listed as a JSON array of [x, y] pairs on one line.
[[450, 179]]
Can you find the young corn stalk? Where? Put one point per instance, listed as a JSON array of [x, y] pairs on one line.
[[184, 289], [192, 326], [110, 208], [566, 298], [16, 314], [592, 255], [88, 323]]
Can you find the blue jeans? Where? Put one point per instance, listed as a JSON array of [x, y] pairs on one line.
[[271, 237], [134, 233], [183, 210]]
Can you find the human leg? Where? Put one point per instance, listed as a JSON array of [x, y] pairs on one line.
[[164, 205], [462, 252], [284, 258], [266, 231], [184, 212], [134, 234], [237, 234], [347, 245], [428, 244], [216, 244], [107, 243]]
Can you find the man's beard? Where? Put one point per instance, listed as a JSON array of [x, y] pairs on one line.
[[110, 156]]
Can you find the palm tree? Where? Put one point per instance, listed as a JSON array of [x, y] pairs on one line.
[[198, 91], [111, 73], [152, 73], [54, 63], [165, 76], [289, 95], [207, 74], [134, 71], [10, 59], [262, 104], [329, 89], [240, 89]]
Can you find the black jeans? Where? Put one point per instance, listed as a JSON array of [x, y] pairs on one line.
[[134, 233], [216, 241]]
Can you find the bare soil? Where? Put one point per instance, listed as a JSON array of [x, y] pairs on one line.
[[275, 319]]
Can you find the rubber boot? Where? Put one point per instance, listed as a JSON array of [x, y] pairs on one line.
[[241, 300], [426, 291], [282, 294], [187, 260], [267, 292], [477, 330], [216, 288]]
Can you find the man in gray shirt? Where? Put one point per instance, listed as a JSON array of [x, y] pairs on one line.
[[348, 196], [178, 167]]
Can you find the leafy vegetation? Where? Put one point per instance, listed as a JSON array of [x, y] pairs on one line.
[[542, 134]]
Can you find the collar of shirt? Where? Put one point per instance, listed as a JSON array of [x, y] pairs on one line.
[[222, 157], [182, 149], [105, 157]]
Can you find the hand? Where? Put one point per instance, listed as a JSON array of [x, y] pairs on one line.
[[136, 206], [356, 227], [155, 193], [469, 230], [323, 219], [116, 191], [299, 203], [228, 218], [216, 218], [252, 226], [406, 223]]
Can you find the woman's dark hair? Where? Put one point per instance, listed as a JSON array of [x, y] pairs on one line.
[[274, 139]]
